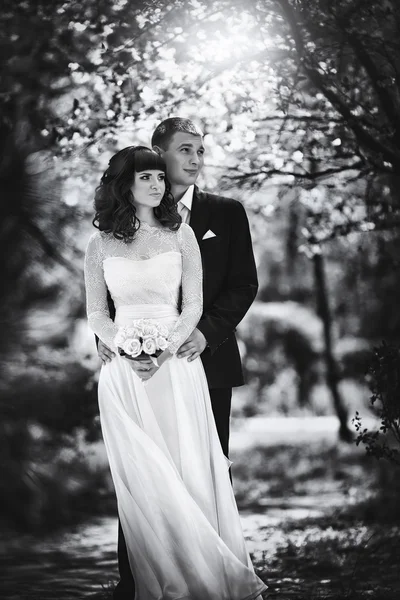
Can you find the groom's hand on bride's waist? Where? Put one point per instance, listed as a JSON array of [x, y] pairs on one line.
[[193, 347], [105, 353]]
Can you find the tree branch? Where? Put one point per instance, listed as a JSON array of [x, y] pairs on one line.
[[316, 78], [305, 175], [375, 75], [301, 118], [50, 250]]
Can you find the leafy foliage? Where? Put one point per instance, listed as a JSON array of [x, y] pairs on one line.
[[384, 374], [299, 103], [295, 92]]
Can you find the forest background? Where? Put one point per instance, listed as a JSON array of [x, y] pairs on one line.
[[299, 102]]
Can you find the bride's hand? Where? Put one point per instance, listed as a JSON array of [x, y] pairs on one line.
[[144, 368]]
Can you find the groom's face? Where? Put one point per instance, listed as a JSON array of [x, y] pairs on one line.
[[184, 158]]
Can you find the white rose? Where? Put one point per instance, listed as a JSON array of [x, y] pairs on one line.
[[132, 332], [132, 347], [149, 346], [150, 330], [138, 324], [161, 343], [120, 337]]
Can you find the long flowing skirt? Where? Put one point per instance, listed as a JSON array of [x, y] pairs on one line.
[[175, 500]]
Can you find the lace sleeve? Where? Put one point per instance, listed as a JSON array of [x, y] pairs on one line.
[[96, 293], [192, 288]]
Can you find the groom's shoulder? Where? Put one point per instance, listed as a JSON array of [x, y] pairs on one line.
[[222, 202], [224, 206]]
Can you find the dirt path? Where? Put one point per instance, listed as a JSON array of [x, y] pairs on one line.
[[314, 524]]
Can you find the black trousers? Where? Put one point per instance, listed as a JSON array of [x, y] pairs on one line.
[[221, 405]]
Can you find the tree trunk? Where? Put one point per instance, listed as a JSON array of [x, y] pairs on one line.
[[330, 362]]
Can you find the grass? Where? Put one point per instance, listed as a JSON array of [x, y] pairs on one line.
[[334, 514], [328, 522], [322, 522]]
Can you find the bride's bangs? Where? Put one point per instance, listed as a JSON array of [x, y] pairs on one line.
[[148, 160]]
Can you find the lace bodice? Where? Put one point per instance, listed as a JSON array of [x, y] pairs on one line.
[[152, 269]]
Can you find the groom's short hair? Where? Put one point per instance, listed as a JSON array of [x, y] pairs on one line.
[[164, 132]]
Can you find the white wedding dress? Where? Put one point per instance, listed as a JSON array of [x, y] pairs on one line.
[[175, 499]]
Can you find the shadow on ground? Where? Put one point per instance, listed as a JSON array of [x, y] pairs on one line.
[[322, 521]]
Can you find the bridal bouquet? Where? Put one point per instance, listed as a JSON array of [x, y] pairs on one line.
[[144, 337]]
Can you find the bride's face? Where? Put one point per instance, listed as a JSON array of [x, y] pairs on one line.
[[148, 188]]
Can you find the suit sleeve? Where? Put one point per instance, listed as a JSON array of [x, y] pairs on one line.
[[241, 284]]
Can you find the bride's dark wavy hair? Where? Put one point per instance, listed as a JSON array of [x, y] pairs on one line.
[[113, 201]]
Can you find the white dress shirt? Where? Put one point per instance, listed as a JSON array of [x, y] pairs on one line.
[[185, 204]]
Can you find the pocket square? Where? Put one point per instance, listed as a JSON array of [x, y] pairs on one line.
[[209, 234]]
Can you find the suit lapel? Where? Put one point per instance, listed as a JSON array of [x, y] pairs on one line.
[[200, 214]]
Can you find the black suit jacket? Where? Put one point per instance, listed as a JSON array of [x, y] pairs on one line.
[[229, 283]]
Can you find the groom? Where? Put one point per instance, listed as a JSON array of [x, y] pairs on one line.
[[229, 282]]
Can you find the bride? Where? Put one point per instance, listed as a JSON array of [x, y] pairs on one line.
[[175, 500]]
